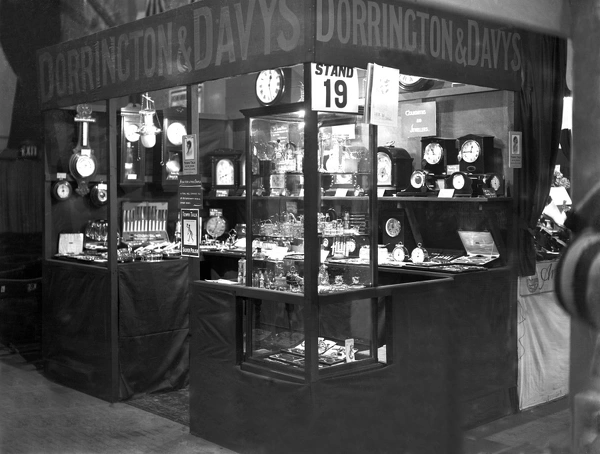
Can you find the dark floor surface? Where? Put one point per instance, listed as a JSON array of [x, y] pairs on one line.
[[39, 416]]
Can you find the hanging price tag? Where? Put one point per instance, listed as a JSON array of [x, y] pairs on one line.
[[334, 88]]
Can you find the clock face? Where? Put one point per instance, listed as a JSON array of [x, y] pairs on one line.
[[495, 183], [417, 179], [458, 181], [418, 255], [132, 132], [85, 166], [270, 85], [384, 168], [62, 190], [175, 133], [433, 153], [351, 244], [470, 151], [225, 173], [399, 253], [216, 226], [393, 227]]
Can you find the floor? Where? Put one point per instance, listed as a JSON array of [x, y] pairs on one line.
[[38, 416]]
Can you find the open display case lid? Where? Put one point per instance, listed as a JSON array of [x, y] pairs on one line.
[[480, 247]]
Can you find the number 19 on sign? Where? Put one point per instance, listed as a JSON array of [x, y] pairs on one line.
[[334, 88]]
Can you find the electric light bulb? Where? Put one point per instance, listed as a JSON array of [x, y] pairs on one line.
[[148, 140]]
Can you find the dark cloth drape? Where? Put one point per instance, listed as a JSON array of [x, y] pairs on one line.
[[541, 107]]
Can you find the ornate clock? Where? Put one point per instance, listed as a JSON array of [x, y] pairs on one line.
[[438, 153], [83, 165], [174, 127], [225, 163], [394, 167], [132, 156], [475, 153]]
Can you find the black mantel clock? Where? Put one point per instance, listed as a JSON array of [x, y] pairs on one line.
[[437, 154], [394, 168], [475, 153]]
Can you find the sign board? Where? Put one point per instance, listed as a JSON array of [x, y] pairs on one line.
[[191, 229], [189, 151], [515, 150], [190, 192], [418, 120], [382, 95], [334, 88], [542, 281]]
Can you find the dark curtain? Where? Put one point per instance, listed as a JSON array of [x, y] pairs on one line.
[[541, 107]]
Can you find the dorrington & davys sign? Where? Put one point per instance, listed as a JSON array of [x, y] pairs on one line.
[[211, 39]]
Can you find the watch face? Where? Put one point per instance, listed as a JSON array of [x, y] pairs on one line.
[[399, 253], [225, 173], [433, 153], [216, 226], [458, 181], [175, 133], [269, 86], [470, 151], [131, 132], [418, 255], [85, 166], [384, 168], [393, 227]]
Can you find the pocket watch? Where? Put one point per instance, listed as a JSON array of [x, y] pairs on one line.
[[270, 86], [393, 227], [419, 254], [216, 226], [400, 252], [62, 190]]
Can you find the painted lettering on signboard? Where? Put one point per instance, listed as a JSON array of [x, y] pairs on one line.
[[172, 46]]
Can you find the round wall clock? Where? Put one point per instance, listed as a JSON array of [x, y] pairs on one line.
[[400, 252], [82, 167], [216, 226], [175, 132], [99, 194], [270, 86], [412, 83], [62, 190], [393, 227]]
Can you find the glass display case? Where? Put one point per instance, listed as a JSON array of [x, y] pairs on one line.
[[304, 241]]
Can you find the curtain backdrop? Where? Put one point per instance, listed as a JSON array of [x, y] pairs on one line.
[[541, 108], [21, 196]]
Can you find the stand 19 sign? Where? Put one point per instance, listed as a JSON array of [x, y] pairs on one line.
[[334, 88]]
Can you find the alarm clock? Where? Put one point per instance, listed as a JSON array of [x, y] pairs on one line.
[[437, 154], [225, 163], [475, 153], [168, 167], [271, 86], [461, 183], [62, 190], [400, 252], [419, 254], [392, 224], [410, 83], [394, 167]]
